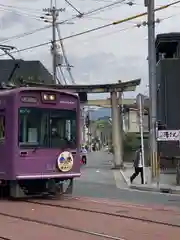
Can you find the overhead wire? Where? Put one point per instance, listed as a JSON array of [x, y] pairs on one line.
[[99, 18], [100, 27], [100, 9], [140, 4], [20, 8], [19, 12], [22, 14], [104, 1], [46, 27], [19, 36], [111, 33], [25, 34], [80, 15], [73, 7]]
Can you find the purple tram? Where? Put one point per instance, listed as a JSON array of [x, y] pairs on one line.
[[39, 140]]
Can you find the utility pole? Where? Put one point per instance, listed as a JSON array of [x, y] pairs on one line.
[[54, 17], [152, 85], [54, 13]]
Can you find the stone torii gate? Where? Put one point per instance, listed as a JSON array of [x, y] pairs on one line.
[[113, 89]]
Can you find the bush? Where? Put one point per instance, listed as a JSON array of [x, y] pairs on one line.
[[131, 142]]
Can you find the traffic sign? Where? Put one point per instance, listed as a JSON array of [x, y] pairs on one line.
[[168, 135]]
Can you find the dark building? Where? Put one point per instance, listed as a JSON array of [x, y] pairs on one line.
[[28, 70], [168, 93]]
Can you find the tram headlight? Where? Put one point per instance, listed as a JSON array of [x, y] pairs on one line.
[[45, 97], [52, 97], [49, 97]]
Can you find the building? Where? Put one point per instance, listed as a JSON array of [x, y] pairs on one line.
[[131, 123], [27, 70]]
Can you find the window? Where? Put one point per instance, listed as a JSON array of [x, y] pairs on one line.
[[47, 128], [2, 127]]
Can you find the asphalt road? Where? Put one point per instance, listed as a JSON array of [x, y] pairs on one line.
[[98, 180]]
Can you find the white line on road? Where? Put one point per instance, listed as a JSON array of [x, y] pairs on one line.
[[118, 179]]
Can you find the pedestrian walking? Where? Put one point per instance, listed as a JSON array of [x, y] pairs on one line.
[[138, 166]]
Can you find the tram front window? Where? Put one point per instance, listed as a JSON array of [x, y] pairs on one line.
[[47, 128]]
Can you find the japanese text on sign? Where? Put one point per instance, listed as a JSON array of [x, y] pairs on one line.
[[168, 135]]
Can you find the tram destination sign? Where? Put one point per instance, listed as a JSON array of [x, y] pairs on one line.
[[168, 135]]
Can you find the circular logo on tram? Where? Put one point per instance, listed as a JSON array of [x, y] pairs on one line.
[[65, 161]]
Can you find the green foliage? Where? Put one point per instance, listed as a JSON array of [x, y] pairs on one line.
[[131, 142], [100, 124]]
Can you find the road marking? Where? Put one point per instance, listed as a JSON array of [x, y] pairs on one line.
[[97, 171], [118, 178], [124, 177]]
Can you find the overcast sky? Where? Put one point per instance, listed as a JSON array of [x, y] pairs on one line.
[[104, 56]]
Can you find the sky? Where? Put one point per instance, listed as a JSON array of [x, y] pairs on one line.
[[104, 56]]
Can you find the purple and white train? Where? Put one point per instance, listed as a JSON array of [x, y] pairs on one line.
[[39, 140]]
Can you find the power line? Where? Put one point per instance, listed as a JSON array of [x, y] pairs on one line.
[[98, 28], [64, 38], [103, 1], [104, 7], [23, 14], [20, 8], [73, 7], [100, 18], [25, 34], [103, 35], [111, 33], [136, 25], [61, 22], [47, 43], [140, 4], [19, 12]]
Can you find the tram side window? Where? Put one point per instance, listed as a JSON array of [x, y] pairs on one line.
[[29, 126], [2, 128]]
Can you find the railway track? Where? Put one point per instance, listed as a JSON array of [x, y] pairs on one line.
[[119, 215], [60, 226], [5, 238]]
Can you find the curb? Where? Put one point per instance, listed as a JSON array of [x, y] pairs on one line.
[[146, 188], [152, 189]]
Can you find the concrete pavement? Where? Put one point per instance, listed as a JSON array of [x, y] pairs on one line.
[[100, 181], [97, 178], [166, 181]]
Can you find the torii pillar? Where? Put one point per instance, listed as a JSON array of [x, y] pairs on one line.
[[117, 136]]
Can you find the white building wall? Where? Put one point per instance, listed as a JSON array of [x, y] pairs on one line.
[[131, 122]]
